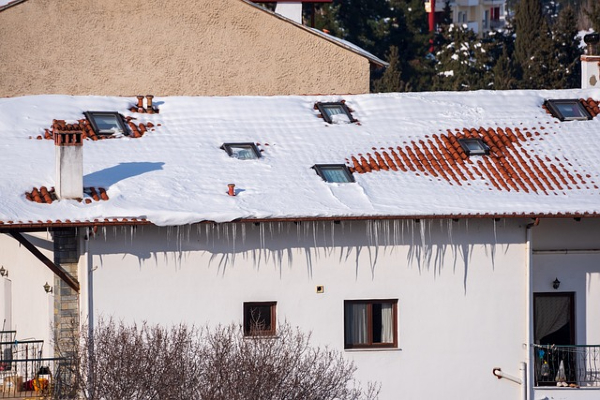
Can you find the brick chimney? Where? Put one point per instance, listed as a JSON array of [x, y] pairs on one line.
[[590, 62], [69, 164]]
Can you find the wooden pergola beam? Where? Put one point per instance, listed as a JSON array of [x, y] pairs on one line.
[[57, 269]]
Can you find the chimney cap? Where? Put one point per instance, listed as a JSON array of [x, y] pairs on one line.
[[591, 38]]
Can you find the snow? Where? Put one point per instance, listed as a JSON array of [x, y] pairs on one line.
[[177, 174]]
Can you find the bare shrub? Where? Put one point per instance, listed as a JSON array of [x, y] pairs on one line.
[[145, 361]]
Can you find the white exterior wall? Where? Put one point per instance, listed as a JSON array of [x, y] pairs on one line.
[[32, 307], [460, 296]]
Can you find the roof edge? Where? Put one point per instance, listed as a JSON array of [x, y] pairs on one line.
[[6, 227], [11, 4]]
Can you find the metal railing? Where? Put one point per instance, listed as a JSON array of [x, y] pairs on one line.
[[23, 370], [567, 366]]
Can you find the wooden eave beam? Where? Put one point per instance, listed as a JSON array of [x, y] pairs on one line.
[[57, 269]]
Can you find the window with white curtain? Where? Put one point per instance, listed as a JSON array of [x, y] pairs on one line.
[[370, 323]]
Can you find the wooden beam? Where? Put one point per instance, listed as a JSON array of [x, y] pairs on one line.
[[57, 269]]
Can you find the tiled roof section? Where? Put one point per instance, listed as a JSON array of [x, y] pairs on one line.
[[590, 105], [45, 196], [83, 125], [509, 166]]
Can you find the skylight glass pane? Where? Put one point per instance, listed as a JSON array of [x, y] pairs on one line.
[[107, 123], [474, 146], [334, 174], [571, 110], [243, 152], [336, 114]]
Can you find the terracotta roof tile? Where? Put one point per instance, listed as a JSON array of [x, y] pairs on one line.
[[508, 167], [45, 196]]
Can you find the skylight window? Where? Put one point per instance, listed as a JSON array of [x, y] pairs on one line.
[[568, 110], [474, 147], [334, 173], [106, 123], [335, 113], [242, 151]]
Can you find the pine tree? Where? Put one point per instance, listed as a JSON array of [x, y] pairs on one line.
[[391, 81], [567, 51], [461, 60], [593, 13], [534, 49]]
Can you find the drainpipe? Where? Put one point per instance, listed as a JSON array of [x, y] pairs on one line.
[[522, 380], [527, 372], [90, 310]]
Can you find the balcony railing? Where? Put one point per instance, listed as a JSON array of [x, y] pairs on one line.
[[567, 366]]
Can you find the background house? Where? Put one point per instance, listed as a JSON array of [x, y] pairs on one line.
[[479, 15], [179, 48]]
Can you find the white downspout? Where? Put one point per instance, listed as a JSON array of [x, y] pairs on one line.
[[527, 371]]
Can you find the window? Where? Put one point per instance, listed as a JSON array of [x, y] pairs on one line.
[[474, 147], [242, 151], [370, 323], [106, 123], [568, 110], [334, 173], [259, 319], [495, 13], [335, 113]]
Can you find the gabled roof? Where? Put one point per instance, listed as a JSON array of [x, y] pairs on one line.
[[403, 151]]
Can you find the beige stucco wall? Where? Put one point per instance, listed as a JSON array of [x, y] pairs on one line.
[[167, 48]]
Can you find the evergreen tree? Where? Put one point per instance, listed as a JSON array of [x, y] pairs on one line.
[[461, 60], [534, 49], [567, 51], [504, 72], [593, 13], [391, 80]]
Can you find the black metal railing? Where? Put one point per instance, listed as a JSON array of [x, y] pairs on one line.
[[24, 372], [567, 366]]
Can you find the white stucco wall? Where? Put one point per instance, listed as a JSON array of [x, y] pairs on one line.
[[32, 307], [460, 305]]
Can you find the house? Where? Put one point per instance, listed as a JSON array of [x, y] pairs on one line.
[[177, 48], [447, 238], [478, 15]]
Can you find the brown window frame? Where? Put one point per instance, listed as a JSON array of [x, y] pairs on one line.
[[370, 344], [272, 330]]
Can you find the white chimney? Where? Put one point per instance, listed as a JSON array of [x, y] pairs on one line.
[[291, 10], [590, 62], [69, 164]]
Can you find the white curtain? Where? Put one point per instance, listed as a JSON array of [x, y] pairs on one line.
[[387, 323], [356, 323]]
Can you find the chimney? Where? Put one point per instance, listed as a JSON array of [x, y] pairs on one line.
[[291, 10], [590, 62], [69, 164]]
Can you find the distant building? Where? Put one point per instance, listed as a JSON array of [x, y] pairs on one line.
[[479, 15]]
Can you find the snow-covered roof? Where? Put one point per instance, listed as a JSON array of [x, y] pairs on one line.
[[403, 152]]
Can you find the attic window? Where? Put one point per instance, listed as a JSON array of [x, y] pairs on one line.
[[474, 147], [242, 151], [335, 113], [334, 173], [105, 123], [568, 110]]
